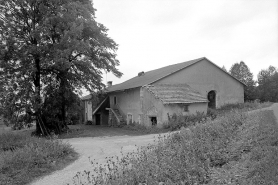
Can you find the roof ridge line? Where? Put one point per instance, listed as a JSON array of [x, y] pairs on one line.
[[198, 60]]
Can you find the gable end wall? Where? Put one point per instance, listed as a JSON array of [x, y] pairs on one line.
[[204, 77], [128, 102]]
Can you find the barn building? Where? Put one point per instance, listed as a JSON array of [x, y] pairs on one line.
[[152, 97]]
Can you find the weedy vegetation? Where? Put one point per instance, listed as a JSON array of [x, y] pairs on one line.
[[142, 129], [24, 158], [244, 107], [178, 121], [238, 148]]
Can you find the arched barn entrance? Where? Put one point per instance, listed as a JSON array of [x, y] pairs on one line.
[[212, 99]]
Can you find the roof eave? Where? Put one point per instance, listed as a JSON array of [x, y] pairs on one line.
[[121, 90], [96, 109], [197, 60]]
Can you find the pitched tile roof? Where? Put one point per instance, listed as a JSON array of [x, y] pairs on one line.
[[176, 93], [152, 76]]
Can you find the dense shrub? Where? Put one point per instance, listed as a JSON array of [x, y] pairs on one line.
[[22, 158], [253, 153], [235, 149], [178, 121], [89, 122]]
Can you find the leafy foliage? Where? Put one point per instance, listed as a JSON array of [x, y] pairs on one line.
[[51, 44], [268, 84], [24, 158], [242, 73], [178, 121], [224, 68], [52, 110]]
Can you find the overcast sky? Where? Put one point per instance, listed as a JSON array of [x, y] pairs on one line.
[[156, 33]]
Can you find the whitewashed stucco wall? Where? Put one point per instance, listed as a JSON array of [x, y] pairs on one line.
[[204, 77]]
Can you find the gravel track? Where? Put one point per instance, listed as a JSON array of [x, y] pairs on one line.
[[99, 148]]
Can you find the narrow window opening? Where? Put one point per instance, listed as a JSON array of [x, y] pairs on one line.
[[153, 121], [115, 100], [129, 118]]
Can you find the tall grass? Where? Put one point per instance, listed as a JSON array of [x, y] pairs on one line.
[[244, 107], [176, 122], [238, 148], [23, 158]]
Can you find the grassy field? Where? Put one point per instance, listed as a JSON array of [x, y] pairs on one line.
[[82, 130], [238, 148], [243, 107], [24, 158]]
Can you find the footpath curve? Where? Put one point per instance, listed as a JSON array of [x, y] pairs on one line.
[[99, 148]]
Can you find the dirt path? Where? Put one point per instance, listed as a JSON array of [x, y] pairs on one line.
[[96, 148], [100, 147]]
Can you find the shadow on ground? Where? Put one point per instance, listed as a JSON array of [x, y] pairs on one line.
[[97, 131]]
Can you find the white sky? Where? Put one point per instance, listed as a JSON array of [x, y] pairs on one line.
[[156, 33]]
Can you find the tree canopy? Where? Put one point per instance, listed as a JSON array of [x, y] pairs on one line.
[[52, 44], [242, 73], [224, 68], [268, 84]]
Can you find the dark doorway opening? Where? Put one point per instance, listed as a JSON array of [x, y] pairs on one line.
[[153, 121], [97, 119], [212, 99]]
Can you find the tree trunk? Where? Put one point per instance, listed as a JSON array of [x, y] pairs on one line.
[[63, 100], [40, 127], [63, 104]]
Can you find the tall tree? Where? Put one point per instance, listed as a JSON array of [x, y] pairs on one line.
[[242, 73], [268, 84], [224, 68], [46, 40]]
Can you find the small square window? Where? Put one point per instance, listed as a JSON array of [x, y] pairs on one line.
[[153, 121], [185, 108]]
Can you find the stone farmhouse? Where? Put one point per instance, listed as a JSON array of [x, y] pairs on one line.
[[152, 97]]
